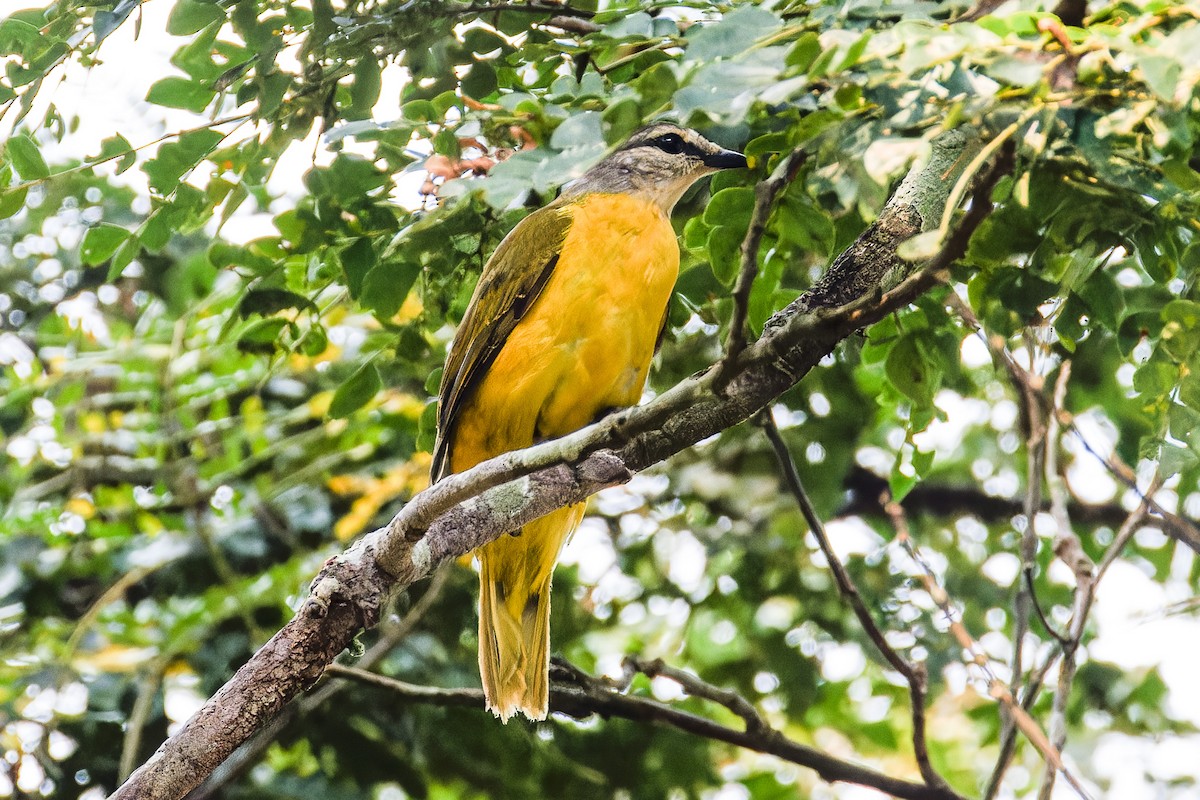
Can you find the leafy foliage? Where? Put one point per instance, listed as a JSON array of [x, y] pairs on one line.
[[193, 421]]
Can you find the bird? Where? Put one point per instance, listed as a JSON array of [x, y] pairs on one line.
[[561, 328]]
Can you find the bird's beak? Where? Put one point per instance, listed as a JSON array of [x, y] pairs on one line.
[[725, 159]]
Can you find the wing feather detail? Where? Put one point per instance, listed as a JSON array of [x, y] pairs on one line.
[[511, 282]]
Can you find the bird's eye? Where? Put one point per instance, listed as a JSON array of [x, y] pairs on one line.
[[670, 143]]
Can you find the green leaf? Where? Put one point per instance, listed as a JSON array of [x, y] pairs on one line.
[[192, 16], [724, 246], [176, 92], [270, 301], [105, 22], [386, 285], [23, 152], [736, 32], [732, 207], [480, 81], [1104, 299], [434, 382], [1155, 379], [581, 130], [1174, 459], [800, 222], [262, 336], [346, 181], [116, 147], [18, 36], [854, 52], [912, 372], [1161, 74], [804, 52], [364, 92], [315, 340], [427, 428], [356, 392], [1181, 333], [357, 261], [174, 159], [100, 242], [126, 253], [12, 201]]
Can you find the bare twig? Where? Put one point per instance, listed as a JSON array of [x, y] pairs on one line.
[[558, 9], [764, 199], [951, 500], [913, 673], [595, 696], [110, 595], [143, 704], [1128, 528], [694, 686], [572, 24], [1033, 686], [1179, 528], [86, 165], [997, 689], [1070, 552]]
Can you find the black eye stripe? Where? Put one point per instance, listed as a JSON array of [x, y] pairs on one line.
[[675, 144]]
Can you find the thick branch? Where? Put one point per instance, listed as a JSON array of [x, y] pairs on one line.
[[468, 510]]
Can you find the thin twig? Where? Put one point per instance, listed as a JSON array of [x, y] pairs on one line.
[[1070, 551], [1033, 686], [997, 689], [558, 9], [110, 595], [1179, 528], [1029, 389], [764, 199], [1126, 531], [694, 686], [143, 704], [913, 673], [86, 165], [596, 696]]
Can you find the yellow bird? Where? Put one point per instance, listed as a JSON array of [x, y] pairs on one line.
[[561, 328]]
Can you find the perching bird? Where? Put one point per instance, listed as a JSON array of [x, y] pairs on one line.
[[562, 327]]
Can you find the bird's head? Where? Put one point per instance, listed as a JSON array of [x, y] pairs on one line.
[[658, 162]]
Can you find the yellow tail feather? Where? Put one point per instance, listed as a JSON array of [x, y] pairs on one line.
[[514, 614]]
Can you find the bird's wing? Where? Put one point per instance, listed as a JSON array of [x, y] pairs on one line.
[[512, 279]]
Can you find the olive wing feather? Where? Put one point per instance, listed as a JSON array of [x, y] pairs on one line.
[[511, 281]]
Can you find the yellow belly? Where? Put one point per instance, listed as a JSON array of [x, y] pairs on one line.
[[586, 343], [583, 347]]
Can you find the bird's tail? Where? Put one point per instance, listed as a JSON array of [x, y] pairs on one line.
[[514, 614]]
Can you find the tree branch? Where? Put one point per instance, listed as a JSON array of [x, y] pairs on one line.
[[591, 696], [975, 656], [864, 487], [764, 200], [465, 511], [913, 673], [249, 753]]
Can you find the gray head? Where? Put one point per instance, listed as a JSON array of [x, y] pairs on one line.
[[658, 162]]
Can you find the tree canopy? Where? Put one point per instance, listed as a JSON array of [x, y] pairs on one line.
[[956, 559]]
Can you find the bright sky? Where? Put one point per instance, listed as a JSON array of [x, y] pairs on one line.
[[1132, 613]]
